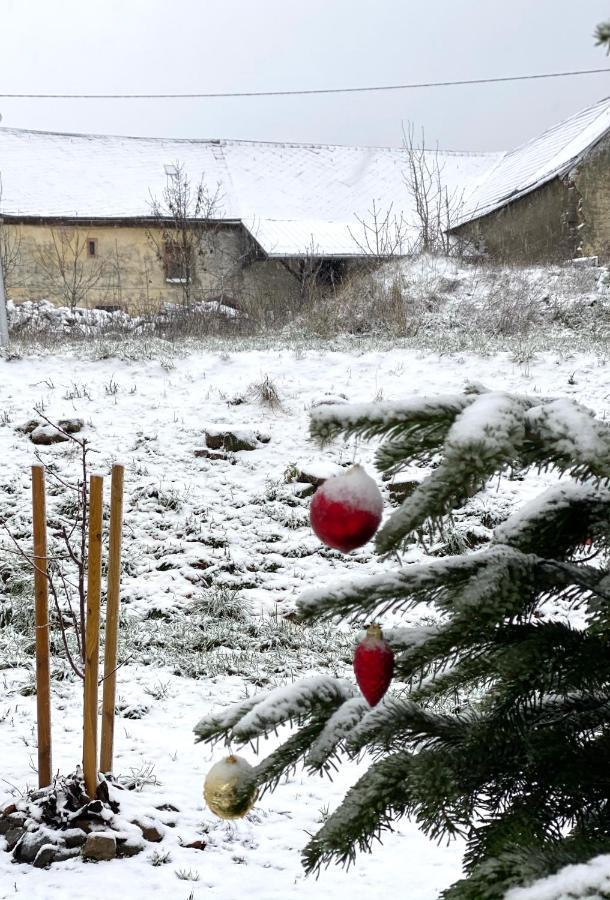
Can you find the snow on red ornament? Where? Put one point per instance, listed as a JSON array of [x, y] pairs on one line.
[[373, 665], [346, 510]]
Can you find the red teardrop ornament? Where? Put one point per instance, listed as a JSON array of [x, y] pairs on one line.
[[346, 510], [373, 665]]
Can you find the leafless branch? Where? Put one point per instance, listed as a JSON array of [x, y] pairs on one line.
[[436, 207], [67, 268]]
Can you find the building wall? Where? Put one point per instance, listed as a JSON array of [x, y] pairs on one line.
[[592, 182], [567, 217], [127, 271], [540, 227]]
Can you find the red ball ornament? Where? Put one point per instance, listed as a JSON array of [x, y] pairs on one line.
[[346, 510], [373, 665]]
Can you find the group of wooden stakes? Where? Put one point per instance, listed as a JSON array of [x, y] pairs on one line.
[[91, 764]]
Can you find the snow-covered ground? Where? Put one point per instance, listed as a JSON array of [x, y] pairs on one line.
[[195, 527]]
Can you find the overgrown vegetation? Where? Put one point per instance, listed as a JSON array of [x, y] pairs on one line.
[[432, 302]]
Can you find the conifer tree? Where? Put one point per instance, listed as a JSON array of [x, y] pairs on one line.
[[499, 730]]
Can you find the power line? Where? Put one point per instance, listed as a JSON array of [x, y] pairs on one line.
[[340, 90]]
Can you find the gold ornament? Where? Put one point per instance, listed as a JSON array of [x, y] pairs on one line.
[[230, 788]]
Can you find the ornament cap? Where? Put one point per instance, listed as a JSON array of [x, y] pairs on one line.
[[374, 631]]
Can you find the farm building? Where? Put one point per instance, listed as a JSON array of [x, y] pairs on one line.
[[548, 200], [89, 214], [136, 222]]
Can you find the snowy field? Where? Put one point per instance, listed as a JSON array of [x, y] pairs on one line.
[[201, 532]]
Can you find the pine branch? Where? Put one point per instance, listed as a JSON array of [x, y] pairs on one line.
[[555, 523], [218, 725], [484, 439], [529, 858], [434, 582], [568, 435], [262, 714], [326, 746], [456, 683], [283, 760], [294, 703], [396, 722], [390, 420], [602, 35], [369, 808]]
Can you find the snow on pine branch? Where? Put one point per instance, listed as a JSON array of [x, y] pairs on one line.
[[493, 423], [293, 702], [335, 730], [214, 726], [393, 722], [390, 419], [589, 880], [406, 638], [398, 589], [572, 437], [434, 581], [485, 438], [566, 514]]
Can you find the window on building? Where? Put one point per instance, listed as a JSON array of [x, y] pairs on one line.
[[91, 247], [174, 262]]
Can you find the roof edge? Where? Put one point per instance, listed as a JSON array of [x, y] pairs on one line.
[[226, 141]]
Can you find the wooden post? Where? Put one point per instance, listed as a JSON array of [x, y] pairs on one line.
[[113, 600], [41, 593], [92, 638]]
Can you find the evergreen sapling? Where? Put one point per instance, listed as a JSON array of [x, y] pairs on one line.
[[501, 731]]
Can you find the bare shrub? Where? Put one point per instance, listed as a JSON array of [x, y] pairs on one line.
[[266, 393], [66, 267], [504, 302], [385, 302], [208, 318]]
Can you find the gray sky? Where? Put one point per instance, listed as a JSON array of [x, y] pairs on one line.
[[228, 45]]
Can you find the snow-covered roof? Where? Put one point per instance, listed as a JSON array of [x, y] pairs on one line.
[[536, 162], [293, 197]]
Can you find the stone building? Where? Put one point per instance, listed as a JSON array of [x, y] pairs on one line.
[[548, 200], [101, 220]]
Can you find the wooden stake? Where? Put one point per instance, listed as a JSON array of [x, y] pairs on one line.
[[92, 639], [113, 600], [41, 593]]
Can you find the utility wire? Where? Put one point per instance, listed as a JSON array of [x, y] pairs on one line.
[[342, 90]]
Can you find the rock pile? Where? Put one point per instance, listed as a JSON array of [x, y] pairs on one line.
[[60, 822]]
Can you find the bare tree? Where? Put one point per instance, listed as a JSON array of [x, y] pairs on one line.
[[117, 262], [10, 252], [186, 216], [436, 208], [313, 273], [382, 234], [10, 248], [68, 266]]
